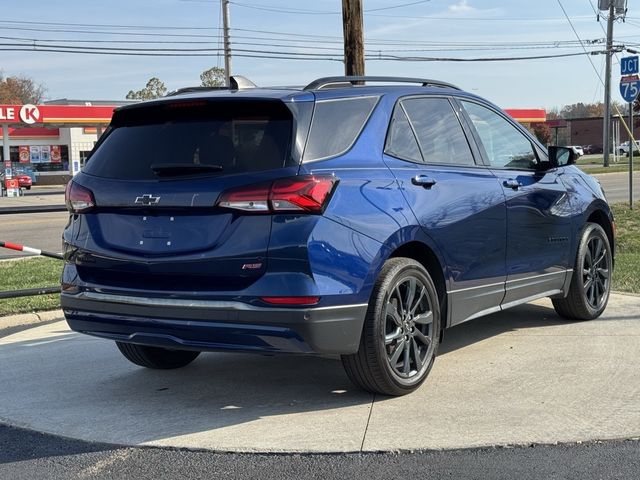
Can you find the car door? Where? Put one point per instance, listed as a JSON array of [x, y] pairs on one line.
[[458, 203], [538, 208]]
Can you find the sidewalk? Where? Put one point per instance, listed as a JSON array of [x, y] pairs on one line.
[[517, 377]]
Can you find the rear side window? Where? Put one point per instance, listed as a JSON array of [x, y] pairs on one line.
[[440, 135], [336, 125], [401, 142], [179, 139]]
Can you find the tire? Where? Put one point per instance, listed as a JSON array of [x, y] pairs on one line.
[[398, 345], [28, 187], [156, 357], [591, 281]]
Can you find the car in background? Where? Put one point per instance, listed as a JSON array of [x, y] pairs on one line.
[[592, 149], [623, 148], [344, 218], [24, 181], [577, 149]]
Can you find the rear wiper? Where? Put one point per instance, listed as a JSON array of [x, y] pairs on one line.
[[178, 169]]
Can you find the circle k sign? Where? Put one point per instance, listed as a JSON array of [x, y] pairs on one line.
[[29, 114]]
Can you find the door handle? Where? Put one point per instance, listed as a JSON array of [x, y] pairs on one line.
[[423, 181], [512, 183]]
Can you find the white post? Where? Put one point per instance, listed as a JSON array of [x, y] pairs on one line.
[[6, 151]]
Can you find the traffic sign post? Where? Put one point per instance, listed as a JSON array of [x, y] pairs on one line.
[[629, 89]]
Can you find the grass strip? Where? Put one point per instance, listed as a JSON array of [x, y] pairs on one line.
[[29, 273]]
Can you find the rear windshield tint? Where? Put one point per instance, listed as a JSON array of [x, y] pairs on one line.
[[179, 139], [336, 125]]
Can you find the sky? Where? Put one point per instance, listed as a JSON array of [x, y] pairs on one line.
[[309, 34]]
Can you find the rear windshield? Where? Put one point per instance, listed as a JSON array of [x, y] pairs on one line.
[[194, 138]]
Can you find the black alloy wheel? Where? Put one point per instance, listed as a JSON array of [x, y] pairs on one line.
[[401, 331], [591, 280]]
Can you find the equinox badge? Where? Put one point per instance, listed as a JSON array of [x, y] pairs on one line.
[[147, 199]]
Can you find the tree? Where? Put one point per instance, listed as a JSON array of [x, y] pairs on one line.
[[214, 77], [155, 88], [583, 110], [20, 90], [542, 132]]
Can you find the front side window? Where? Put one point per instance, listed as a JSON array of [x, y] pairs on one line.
[[504, 144]]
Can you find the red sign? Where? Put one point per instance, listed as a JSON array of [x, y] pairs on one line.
[[55, 154], [11, 183], [24, 154], [56, 114], [527, 115]]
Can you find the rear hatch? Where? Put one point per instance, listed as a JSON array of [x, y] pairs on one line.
[[155, 178]]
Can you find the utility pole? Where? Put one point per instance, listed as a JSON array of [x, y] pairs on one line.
[[606, 130], [227, 46], [353, 37]]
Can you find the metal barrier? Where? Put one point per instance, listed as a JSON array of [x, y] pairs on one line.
[[27, 292]]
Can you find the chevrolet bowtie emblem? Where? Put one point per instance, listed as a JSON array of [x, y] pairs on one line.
[[147, 199]]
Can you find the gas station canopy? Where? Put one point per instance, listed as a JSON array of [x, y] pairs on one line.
[[56, 115]]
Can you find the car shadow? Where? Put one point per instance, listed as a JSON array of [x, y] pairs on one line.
[[517, 318]]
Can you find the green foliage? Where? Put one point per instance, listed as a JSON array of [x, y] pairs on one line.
[[155, 88], [214, 77], [626, 275], [29, 273]]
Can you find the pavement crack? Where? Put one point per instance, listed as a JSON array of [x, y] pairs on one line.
[[366, 428]]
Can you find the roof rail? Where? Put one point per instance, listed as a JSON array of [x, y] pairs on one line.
[[238, 82], [352, 80]]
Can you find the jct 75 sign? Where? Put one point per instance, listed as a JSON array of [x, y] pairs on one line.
[[629, 88]]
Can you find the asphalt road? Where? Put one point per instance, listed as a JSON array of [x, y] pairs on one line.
[[616, 185], [27, 455], [37, 230]]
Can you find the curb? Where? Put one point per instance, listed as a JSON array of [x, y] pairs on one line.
[[26, 319]]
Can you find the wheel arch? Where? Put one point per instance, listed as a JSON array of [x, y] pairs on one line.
[[422, 253], [604, 218]]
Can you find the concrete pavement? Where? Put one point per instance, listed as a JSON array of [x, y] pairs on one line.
[[517, 377]]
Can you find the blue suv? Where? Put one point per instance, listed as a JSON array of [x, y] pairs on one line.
[[358, 216]]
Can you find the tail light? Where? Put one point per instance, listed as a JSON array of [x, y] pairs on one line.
[[304, 193], [78, 198]]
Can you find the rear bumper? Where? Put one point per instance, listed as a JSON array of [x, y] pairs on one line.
[[206, 325]]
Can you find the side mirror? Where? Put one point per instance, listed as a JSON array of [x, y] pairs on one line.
[[561, 156]]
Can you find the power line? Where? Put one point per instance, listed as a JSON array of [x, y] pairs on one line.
[[301, 11], [268, 54], [578, 37]]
